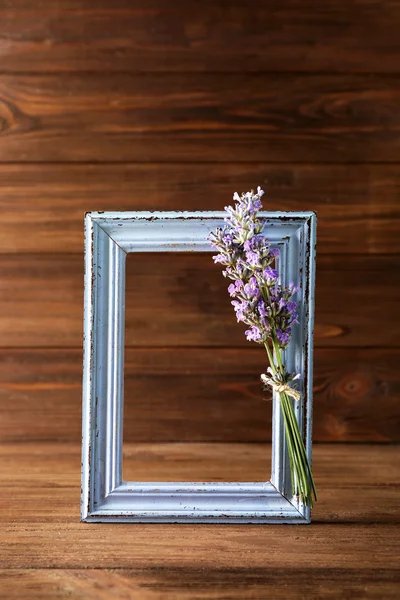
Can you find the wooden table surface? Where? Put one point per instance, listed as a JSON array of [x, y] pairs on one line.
[[351, 550], [174, 105]]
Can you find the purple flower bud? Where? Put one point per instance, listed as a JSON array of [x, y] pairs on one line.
[[271, 275], [238, 285], [282, 304], [274, 252], [228, 238], [283, 337], [253, 281], [261, 308], [231, 289], [219, 258], [254, 206], [253, 334], [240, 309], [251, 288], [248, 245], [257, 241], [252, 258]]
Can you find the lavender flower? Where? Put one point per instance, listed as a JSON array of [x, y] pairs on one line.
[[253, 334], [283, 337], [249, 261], [267, 307]]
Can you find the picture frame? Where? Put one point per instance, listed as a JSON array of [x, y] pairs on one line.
[[109, 237]]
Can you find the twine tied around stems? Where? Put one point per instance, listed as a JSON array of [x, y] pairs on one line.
[[281, 384]]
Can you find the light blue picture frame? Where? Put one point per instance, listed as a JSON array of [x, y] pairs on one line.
[[109, 236]]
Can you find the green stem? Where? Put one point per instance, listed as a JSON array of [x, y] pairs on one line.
[[271, 360], [300, 469], [296, 470], [297, 443]]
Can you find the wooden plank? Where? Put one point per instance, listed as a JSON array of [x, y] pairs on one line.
[[177, 583], [190, 584], [199, 394], [42, 205], [359, 501], [246, 35], [200, 117], [181, 300], [49, 474], [75, 584]]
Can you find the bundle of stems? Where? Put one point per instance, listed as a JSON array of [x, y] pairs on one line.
[[300, 469]]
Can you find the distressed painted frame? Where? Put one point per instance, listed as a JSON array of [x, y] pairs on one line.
[[109, 236]]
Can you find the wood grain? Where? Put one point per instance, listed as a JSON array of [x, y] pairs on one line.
[[67, 584], [181, 103], [199, 394], [49, 475], [84, 584], [183, 583], [46, 553], [40, 512], [181, 300], [244, 35], [199, 117], [43, 205]]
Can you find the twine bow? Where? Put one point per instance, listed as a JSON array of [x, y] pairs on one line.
[[280, 386]]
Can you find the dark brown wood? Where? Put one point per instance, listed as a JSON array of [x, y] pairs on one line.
[[181, 300], [199, 394], [357, 484], [200, 117], [182, 103], [184, 35], [49, 475], [46, 553], [191, 583], [79, 584], [42, 206]]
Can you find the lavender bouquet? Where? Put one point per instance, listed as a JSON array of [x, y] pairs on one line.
[[270, 311]]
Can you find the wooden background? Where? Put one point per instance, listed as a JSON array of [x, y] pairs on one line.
[[149, 104]]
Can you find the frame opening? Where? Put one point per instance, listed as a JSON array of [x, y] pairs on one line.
[[182, 345]]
